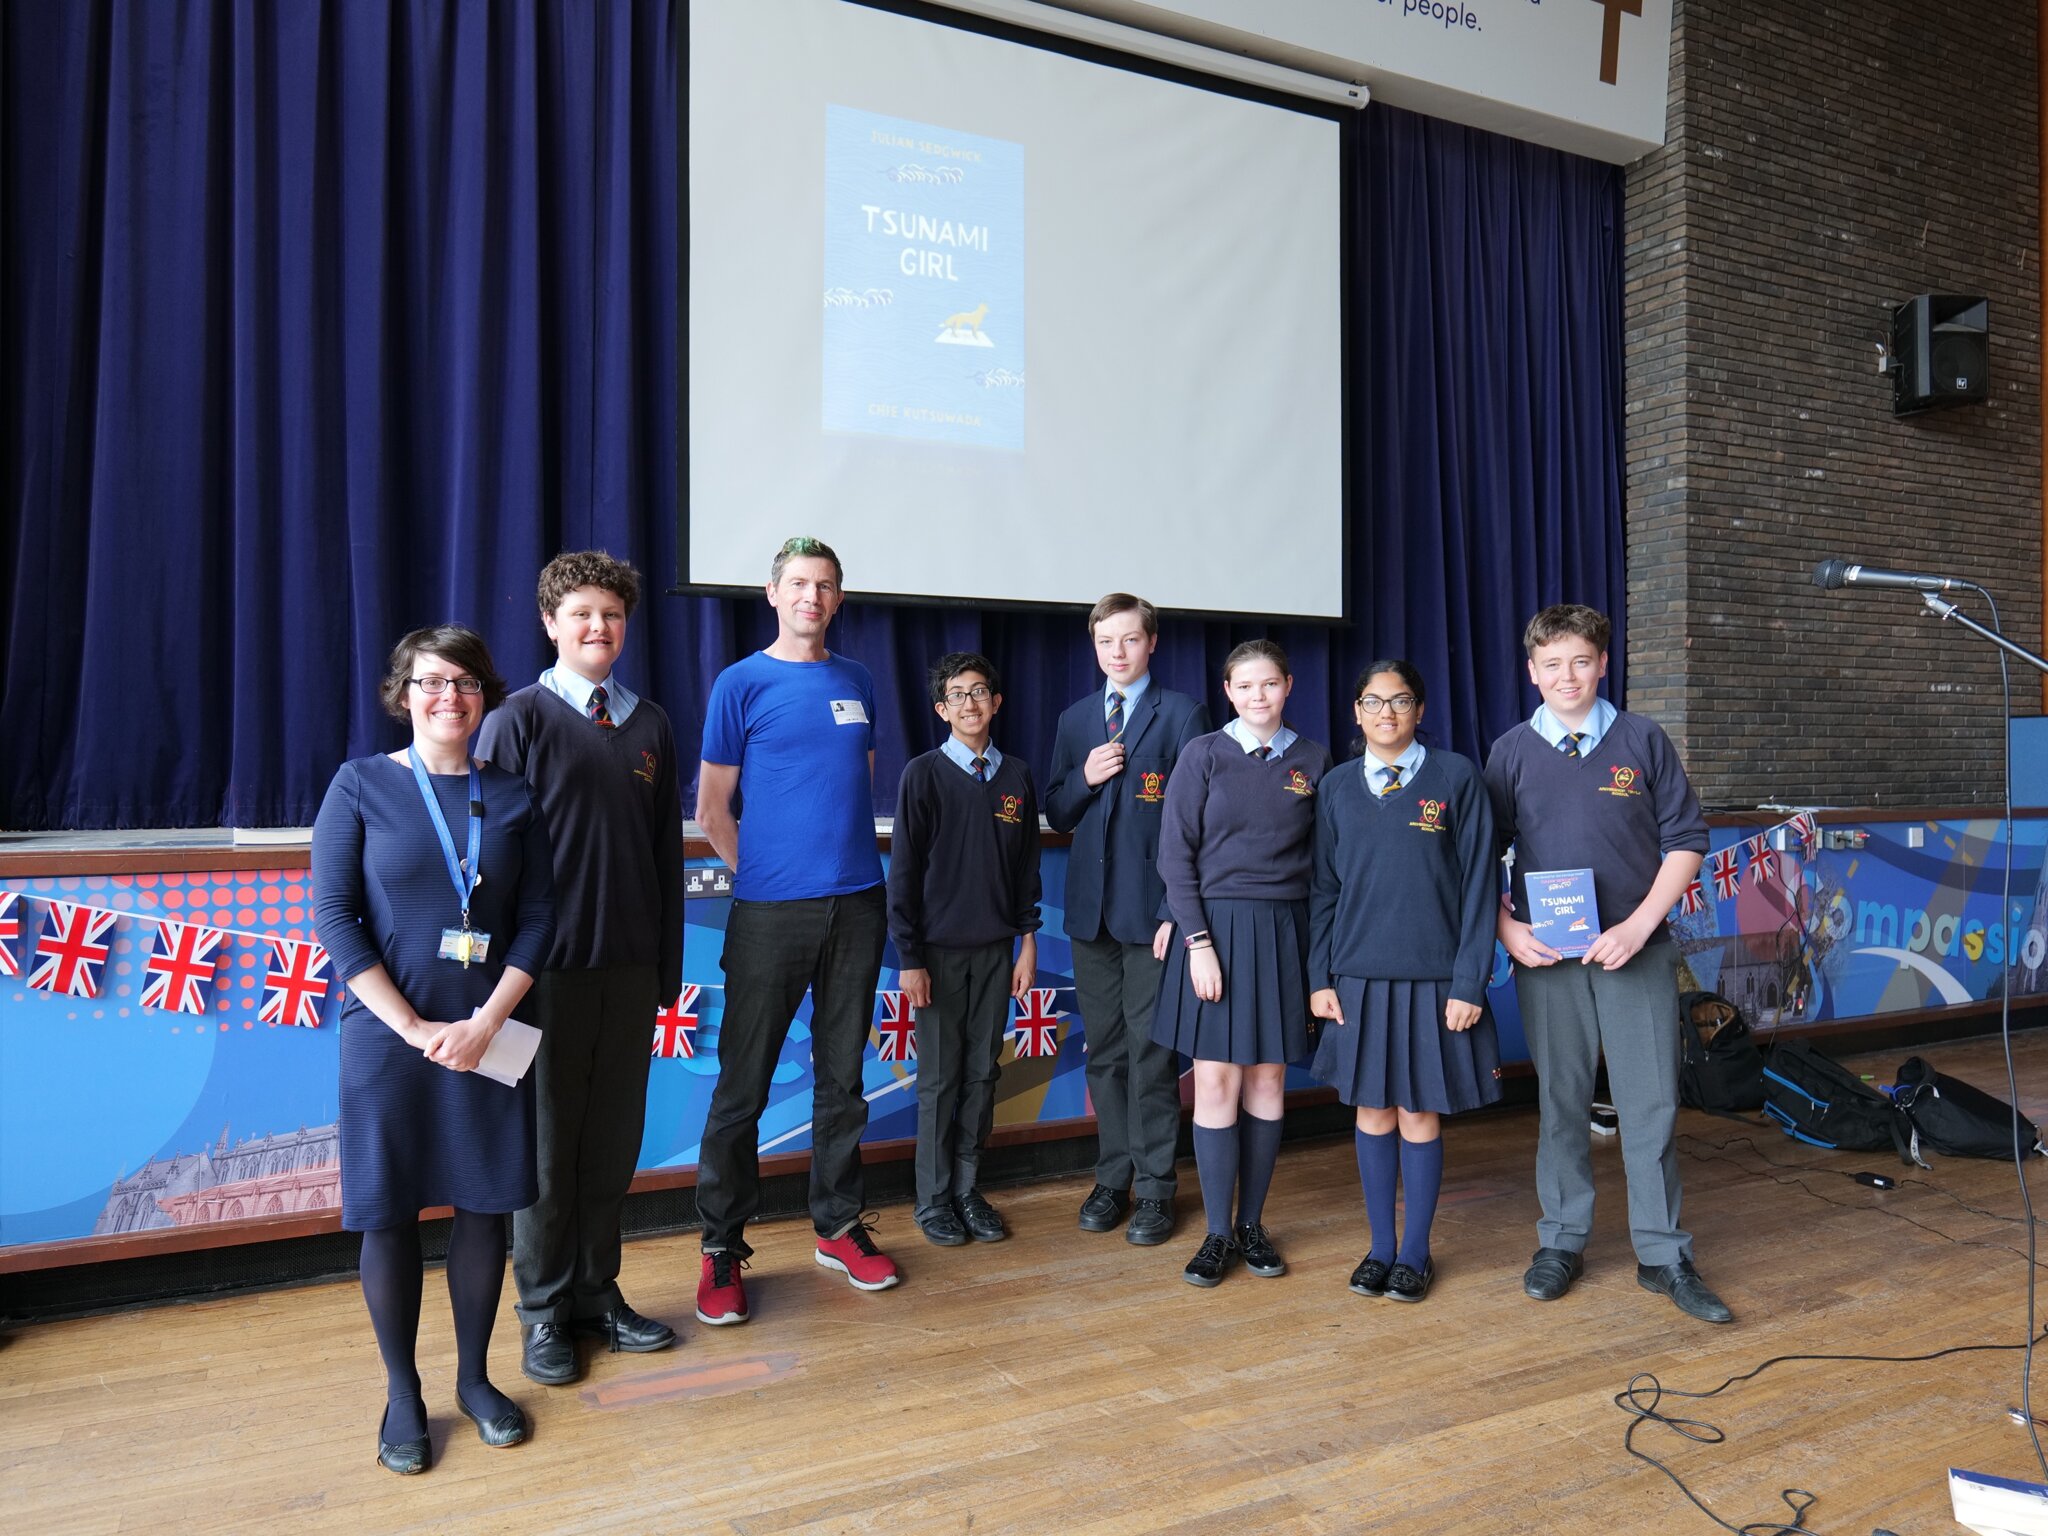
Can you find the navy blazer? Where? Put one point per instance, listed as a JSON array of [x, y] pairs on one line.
[[1113, 884]]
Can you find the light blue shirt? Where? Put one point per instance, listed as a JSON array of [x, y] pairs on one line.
[[1409, 762], [1597, 725], [1283, 738], [565, 682], [1132, 692], [952, 747]]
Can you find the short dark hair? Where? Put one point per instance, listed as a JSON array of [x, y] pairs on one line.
[[1122, 602], [1254, 650], [952, 664], [1562, 620], [1410, 678], [804, 547], [455, 645], [587, 568]]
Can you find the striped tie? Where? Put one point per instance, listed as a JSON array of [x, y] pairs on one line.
[[1116, 715], [1262, 753], [1570, 745], [598, 711], [1393, 783], [981, 770]]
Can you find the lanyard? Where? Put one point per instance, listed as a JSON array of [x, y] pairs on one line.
[[463, 887]]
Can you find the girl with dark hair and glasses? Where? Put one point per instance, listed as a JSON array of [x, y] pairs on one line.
[[433, 894], [1401, 931]]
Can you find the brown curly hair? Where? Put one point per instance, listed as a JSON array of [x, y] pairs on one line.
[[587, 568]]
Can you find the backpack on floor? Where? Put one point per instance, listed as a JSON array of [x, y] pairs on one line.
[[1721, 1069], [1951, 1116], [1823, 1104]]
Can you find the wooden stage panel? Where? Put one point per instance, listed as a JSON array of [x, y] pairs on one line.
[[1062, 1381]]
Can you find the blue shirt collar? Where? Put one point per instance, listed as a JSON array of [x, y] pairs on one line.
[[1132, 692], [1409, 762], [567, 683], [953, 749], [1283, 738], [1597, 725]]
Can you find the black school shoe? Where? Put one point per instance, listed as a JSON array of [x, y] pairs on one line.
[[1103, 1209], [1688, 1292], [623, 1329], [1551, 1273], [1260, 1256], [407, 1458], [1370, 1278], [549, 1355], [1151, 1223], [942, 1228], [983, 1222], [1210, 1261], [1406, 1284]]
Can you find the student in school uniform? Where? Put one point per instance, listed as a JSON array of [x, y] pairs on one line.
[[963, 911], [1401, 920], [1113, 757], [1236, 854], [1583, 785]]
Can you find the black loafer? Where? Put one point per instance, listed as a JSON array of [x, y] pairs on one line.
[[1551, 1273], [1370, 1278], [1260, 1256], [549, 1356], [942, 1227], [1405, 1283], [407, 1458], [1688, 1292], [625, 1330], [1151, 1223], [983, 1222], [508, 1428], [1211, 1259], [1103, 1209]]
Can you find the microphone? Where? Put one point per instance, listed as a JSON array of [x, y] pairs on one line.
[[1844, 573]]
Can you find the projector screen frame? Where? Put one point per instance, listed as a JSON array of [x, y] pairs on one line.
[[1348, 121]]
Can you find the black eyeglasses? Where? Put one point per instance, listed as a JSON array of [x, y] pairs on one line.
[[1373, 704], [434, 684], [979, 693]]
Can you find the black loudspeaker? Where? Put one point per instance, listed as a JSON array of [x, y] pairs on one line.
[[1941, 352]]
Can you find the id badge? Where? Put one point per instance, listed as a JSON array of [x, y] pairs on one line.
[[467, 945]]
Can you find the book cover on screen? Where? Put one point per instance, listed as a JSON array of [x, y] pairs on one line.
[[1562, 911]]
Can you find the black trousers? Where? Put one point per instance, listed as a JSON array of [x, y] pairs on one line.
[[1135, 1085], [774, 952], [590, 1076], [959, 1043]]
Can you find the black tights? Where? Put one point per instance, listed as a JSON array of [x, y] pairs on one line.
[[392, 1282]]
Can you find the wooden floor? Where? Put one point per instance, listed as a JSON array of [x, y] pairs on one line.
[[1068, 1382]]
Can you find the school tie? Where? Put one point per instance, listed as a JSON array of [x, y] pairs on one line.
[[1262, 753], [1570, 745], [1393, 773], [598, 712], [981, 770], [1116, 715]]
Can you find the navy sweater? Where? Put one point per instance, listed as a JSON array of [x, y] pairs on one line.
[[1406, 886], [1617, 812], [1237, 826], [963, 859]]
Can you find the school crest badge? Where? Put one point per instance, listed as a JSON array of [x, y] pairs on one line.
[[1298, 784], [1151, 788], [648, 764], [1624, 782], [1432, 816], [1009, 810]]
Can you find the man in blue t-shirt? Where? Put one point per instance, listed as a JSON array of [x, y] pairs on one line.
[[786, 797]]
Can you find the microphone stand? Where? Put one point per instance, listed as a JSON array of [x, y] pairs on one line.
[[1948, 610]]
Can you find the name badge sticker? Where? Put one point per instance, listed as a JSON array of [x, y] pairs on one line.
[[849, 712]]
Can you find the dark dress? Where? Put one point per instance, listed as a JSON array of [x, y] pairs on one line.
[[413, 1133]]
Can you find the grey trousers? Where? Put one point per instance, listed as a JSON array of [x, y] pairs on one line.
[[590, 1076], [1134, 1084], [1572, 1014], [959, 1041]]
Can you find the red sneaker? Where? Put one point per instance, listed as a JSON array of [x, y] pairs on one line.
[[854, 1251], [721, 1297]]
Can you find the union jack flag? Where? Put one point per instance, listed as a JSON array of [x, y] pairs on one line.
[[72, 951], [675, 1028], [1694, 899], [1727, 875], [895, 1032], [182, 968], [1763, 859], [1038, 1027], [10, 933], [295, 985], [1804, 827]]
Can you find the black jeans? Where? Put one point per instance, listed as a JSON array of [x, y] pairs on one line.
[[774, 952]]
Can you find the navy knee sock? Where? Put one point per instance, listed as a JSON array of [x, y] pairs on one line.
[[1258, 1150], [1216, 1162], [390, 1269], [476, 1281], [1422, 1176], [1378, 1166]]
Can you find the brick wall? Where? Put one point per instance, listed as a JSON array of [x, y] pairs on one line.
[[1825, 162]]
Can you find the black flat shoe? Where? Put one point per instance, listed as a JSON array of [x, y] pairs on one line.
[[1551, 1273], [408, 1457], [549, 1355], [624, 1329], [1370, 1278], [1103, 1209], [983, 1221], [1260, 1256], [1688, 1292], [942, 1228], [1211, 1259], [1151, 1223], [508, 1428], [1404, 1283]]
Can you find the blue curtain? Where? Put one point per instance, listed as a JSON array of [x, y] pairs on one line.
[[322, 319]]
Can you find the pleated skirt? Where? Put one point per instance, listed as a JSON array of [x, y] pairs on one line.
[[1263, 1016], [1393, 1052]]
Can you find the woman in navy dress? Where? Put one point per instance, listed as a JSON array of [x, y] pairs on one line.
[[433, 894], [1236, 850], [1401, 924]]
